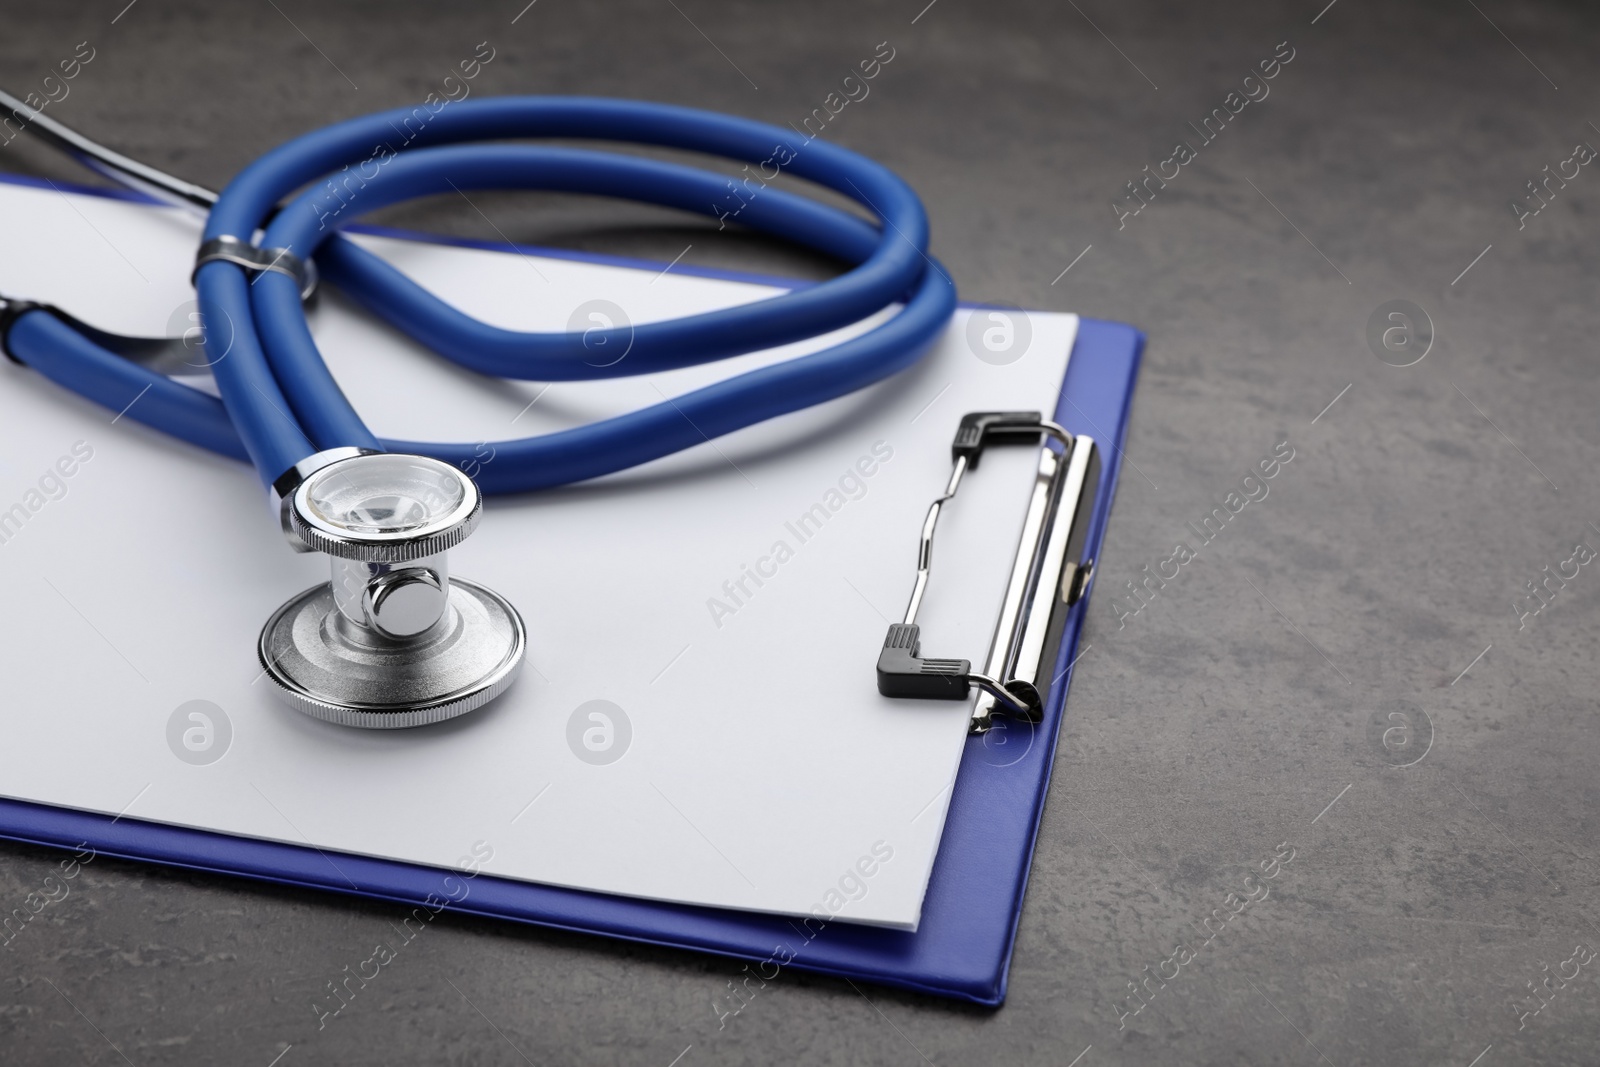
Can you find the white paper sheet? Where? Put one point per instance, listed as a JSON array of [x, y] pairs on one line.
[[762, 765]]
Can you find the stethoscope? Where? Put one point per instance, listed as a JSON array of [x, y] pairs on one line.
[[393, 638]]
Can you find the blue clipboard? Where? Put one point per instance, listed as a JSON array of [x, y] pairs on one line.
[[962, 947]]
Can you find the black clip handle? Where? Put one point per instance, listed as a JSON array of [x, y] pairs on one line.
[[979, 429], [902, 672]]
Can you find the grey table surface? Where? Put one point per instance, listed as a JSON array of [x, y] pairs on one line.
[[1351, 668]]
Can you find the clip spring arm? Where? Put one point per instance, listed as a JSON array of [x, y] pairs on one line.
[[977, 429], [925, 548]]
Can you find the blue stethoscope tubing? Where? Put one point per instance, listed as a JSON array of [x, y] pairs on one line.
[[280, 403]]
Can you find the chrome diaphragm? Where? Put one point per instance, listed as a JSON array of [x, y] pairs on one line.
[[391, 639]]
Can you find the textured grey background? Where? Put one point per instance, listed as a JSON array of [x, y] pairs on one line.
[[1220, 721]]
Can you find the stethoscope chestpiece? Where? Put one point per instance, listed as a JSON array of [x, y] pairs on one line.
[[391, 640]]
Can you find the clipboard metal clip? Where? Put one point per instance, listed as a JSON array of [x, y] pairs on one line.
[[1048, 576]]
